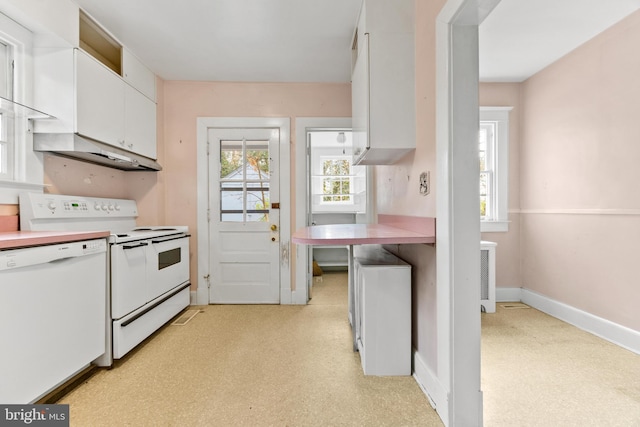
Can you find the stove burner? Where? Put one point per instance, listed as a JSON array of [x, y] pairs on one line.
[[122, 235], [143, 229]]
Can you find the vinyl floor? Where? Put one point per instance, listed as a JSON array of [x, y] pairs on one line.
[[271, 365]]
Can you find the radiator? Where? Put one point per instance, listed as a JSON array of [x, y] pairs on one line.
[[488, 276]]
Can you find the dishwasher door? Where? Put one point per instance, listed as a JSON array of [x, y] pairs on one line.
[[52, 316]]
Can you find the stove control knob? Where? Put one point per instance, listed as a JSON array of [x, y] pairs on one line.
[[104, 206], [97, 206], [117, 207], [111, 207], [52, 206]]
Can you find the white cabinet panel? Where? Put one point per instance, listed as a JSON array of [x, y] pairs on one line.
[[382, 311], [140, 123], [138, 75], [383, 82], [100, 101]]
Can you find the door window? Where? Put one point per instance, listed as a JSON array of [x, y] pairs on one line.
[[244, 181]]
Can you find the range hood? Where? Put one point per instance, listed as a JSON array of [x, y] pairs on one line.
[[89, 150]]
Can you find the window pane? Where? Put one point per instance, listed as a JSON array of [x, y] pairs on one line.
[[244, 187], [5, 71]]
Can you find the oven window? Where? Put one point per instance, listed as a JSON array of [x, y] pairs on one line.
[[169, 258]]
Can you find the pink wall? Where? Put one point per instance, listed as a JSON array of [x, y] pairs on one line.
[[508, 272], [186, 101], [580, 196], [397, 195]]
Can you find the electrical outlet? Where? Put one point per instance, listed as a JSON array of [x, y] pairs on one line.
[[425, 185]]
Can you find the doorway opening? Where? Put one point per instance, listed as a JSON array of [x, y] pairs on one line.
[[335, 192]]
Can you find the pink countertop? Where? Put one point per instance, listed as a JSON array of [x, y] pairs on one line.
[[359, 234], [18, 239]]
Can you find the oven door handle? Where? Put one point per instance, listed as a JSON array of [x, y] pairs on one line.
[[134, 245], [168, 239]]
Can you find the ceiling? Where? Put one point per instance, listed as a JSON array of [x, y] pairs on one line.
[[521, 37], [309, 40]]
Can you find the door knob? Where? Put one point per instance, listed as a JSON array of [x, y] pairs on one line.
[[274, 227]]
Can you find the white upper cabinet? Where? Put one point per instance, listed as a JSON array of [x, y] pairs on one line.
[[100, 102], [383, 82], [140, 123], [100, 91], [138, 75]]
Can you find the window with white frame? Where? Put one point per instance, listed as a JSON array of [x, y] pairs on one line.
[[21, 167], [493, 148], [336, 184], [6, 92], [336, 180]]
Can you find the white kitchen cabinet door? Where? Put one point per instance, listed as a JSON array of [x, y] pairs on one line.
[[383, 82], [138, 75], [140, 123], [360, 101], [100, 101]]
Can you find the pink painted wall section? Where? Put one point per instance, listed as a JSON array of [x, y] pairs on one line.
[[184, 102], [398, 185], [508, 272], [580, 196], [9, 218], [397, 191]]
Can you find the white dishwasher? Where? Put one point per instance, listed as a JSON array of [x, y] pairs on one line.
[[52, 315]]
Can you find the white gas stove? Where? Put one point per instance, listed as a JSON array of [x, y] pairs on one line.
[[148, 271]]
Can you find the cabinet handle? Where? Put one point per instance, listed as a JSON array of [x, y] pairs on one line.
[[121, 142], [130, 145]]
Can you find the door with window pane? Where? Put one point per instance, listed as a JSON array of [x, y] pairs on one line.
[[243, 165]]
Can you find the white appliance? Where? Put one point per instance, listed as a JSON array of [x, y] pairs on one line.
[[148, 272], [382, 311], [52, 316]]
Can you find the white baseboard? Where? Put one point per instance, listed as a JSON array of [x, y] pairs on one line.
[[193, 298], [200, 296], [431, 386], [603, 328], [508, 294]]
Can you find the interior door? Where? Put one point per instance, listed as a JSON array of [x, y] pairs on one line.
[[244, 215]]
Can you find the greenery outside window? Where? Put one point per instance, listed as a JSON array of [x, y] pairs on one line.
[[336, 181]]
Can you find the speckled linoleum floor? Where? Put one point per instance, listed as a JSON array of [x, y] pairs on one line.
[[293, 366]]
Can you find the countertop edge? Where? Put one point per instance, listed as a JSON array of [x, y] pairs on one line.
[[21, 239]]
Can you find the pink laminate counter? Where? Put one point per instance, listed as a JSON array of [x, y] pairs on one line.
[[360, 234], [20, 239]]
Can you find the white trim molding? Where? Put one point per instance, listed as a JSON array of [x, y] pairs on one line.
[[431, 386], [598, 326], [623, 212], [508, 294]]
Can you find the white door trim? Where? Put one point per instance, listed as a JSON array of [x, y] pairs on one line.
[[203, 243], [301, 294], [458, 225]]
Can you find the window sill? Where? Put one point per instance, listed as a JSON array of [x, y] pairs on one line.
[[494, 226], [10, 190]]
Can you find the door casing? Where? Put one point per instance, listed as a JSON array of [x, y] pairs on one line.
[[201, 296]]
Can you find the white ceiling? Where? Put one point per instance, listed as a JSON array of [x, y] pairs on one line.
[[521, 37], [235, 40], [309, 40]]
